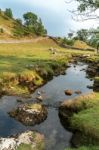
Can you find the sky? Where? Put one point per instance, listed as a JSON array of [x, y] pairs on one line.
[[55, 14]]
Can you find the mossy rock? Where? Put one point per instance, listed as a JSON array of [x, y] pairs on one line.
[[29, 140], [30, 114]]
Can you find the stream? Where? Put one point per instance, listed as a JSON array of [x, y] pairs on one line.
[[57, 138]]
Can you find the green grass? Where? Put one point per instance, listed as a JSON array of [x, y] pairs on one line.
[[25, 147], [87, 120], [33, 62]]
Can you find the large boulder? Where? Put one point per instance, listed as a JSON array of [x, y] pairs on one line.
[[29, 140], [30, 114]]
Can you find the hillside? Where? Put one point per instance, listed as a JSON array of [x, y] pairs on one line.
[[6, 26], [30, 26], [81, 44]]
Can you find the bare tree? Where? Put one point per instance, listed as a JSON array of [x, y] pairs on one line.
[[87, 9]]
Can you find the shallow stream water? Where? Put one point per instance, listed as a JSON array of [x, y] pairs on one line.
[[57, 138]]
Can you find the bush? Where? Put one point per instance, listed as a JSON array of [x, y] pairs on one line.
[[1, 30], [68, 41], [8, 12]]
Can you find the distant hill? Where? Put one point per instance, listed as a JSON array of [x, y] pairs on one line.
[[81, 44]]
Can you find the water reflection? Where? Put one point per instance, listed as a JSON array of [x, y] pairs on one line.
[[57, 137]]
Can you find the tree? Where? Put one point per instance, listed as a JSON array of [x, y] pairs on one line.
[[83, 35], [19, 21], [34, 24], [40, 29], [70, 35], [94, 37], [30, 19], [85, 5], [87, 9], [8, 13]]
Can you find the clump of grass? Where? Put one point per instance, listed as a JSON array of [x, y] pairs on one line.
[[87, 121], [82, 102], [84, 117], [31, 76], [25, 147], [35, 107]]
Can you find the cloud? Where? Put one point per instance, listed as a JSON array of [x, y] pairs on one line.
[[54, 14], [48, 4]]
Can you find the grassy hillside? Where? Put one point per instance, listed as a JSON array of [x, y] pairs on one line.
[[7, 25], [81, 44], [11, 27]]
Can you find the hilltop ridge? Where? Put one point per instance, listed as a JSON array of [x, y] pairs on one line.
[[10, 27]]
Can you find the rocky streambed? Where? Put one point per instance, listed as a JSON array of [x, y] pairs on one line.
[[48, 122]]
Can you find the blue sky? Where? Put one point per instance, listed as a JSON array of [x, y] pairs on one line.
[[54, 14]]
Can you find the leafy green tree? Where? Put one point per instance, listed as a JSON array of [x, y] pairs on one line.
[[34, 24], [88, 4], [30, 19], [94, 37], [82, 35], [67, 41], [8, 13], [19, 21], [40, 29]]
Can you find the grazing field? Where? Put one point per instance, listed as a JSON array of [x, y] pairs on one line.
[[22, 64], [15, 56], [25, 63]]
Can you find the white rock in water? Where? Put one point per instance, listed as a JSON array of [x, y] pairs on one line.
[[40, 98], [7, 144], [38, 92], [24, 138]]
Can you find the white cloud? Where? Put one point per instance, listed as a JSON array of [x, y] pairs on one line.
[[54, 14], [53, 5]]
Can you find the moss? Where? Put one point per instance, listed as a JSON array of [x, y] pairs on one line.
[[40, 146], [35, 106], [25, 147]]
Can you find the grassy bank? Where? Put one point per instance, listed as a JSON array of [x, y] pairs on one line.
[[25, 66], [83, 115]]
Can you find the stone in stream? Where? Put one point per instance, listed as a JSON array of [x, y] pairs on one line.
[[40, 98], [96, 84], [30, 114], [29, 140], [78, 92], [68, 92]]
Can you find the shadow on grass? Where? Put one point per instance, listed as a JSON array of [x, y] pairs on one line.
[[19, 64]]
